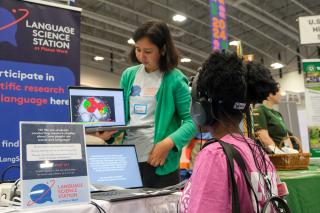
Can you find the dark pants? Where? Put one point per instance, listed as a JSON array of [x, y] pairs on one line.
[[151, 180]]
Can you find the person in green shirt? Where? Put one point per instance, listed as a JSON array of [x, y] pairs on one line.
[[270, 127]]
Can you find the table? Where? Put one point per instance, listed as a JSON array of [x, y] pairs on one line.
[[163, 204], [304, 189]]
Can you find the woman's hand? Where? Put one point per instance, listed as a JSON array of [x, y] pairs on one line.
[[160, 151], [104, 135]]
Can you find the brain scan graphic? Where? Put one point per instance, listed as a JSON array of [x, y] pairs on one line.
[[93, 109]]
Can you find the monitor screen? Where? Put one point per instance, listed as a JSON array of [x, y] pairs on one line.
[[113, 166], [96, 106]]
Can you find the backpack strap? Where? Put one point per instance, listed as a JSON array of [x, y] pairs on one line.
[[233, 154], [233, 184]]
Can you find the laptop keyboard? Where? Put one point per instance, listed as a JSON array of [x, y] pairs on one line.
[[127, 194]]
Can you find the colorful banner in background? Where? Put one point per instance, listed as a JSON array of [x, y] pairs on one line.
[[311, 68], [39, 59], [218, 20]]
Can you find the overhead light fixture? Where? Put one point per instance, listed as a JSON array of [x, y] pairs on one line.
[[283, 93], [185, 60], [179, 18], [131, 41], [234, 43], [98, 58], [276, 65]]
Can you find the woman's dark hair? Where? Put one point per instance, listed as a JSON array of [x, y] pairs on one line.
[[159, 34], [260, 82]]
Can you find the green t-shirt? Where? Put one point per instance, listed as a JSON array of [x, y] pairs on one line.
[[271, 120]]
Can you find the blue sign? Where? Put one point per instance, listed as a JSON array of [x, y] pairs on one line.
[[39, 59]]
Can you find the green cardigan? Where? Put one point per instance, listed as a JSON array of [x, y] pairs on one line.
[[172, 114]]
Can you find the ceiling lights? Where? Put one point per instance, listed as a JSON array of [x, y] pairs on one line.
[[179, 18], [98, 58], [276, 65], [185, 60], [131, 41], [234, 43]]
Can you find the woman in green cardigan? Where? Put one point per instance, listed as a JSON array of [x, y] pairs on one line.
[[156, 92]]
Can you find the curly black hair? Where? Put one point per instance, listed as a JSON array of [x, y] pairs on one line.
[[222, 78], [226, 79], [260, 82]]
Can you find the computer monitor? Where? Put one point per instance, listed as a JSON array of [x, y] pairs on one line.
[[113, 165]]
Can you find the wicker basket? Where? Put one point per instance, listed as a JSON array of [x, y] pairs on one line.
[[291, 161]]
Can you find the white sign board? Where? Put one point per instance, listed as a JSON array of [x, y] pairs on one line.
[[309, 29], [313, 107], [53, 164]]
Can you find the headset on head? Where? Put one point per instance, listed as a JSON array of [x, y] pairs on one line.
[[204, 108]]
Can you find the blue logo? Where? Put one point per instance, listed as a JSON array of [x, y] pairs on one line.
[[135, 91], [40, 194]]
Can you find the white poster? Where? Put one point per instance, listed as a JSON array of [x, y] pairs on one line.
[[313, 107], [309, 29]]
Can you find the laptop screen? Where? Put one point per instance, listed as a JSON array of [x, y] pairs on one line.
[[96, 107], [113, 165]]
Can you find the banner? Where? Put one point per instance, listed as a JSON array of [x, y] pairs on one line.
[[311, 68], [39, 59], [218, 19]]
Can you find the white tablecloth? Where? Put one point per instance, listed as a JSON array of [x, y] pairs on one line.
[[160, 204]]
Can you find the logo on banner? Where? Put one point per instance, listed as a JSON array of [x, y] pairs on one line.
[[311, 68], [8, 24], [41, 193], [49, 37]]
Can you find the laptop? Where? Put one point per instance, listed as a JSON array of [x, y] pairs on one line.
[[114, 173], [99, 109]]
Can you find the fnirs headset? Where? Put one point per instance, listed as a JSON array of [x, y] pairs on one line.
[[204, 108], [201, 106]]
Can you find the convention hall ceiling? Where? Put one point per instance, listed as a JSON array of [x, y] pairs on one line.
[[267, 28]]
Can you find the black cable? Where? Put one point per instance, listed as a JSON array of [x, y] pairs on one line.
[[14, 189], [6, 170], [100, 209], [178, 207], [200, 138], [96, 207]]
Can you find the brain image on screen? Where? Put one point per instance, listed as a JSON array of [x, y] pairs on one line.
[[93, 109]]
